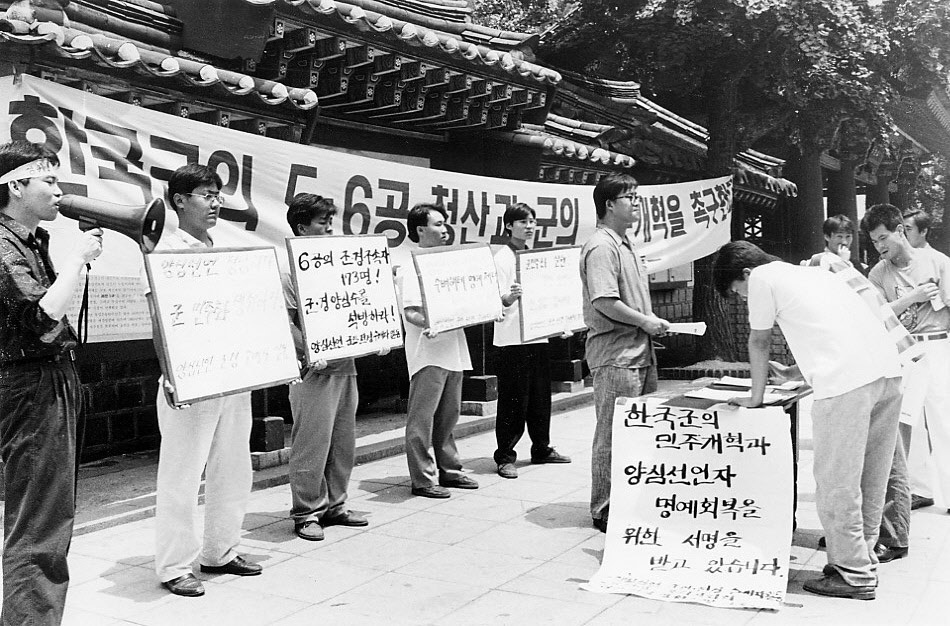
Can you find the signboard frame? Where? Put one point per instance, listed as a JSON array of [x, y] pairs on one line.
[[489, 313], [571, 268]]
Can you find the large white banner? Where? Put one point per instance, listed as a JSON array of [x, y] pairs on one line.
[[125, 154], [700, 505]]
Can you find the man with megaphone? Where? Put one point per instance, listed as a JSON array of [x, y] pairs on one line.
[[40, 394]]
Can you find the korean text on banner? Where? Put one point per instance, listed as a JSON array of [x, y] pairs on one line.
[[459, 286], [552, 295], [222, 321], [700, 505], [346, 297]]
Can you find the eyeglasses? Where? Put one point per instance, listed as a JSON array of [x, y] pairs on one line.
[[632, 197], [209, 196]]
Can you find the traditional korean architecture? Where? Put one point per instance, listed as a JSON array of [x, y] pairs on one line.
[[413, 81]]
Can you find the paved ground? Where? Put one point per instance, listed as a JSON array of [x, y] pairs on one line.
[[512, 552]]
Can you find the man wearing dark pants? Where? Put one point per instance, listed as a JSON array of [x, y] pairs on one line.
[[40, 395]]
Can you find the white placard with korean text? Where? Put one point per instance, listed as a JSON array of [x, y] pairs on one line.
[[459, 286], [222, 319], [125, 154], [700, 505], [552, 300], [346, 297]]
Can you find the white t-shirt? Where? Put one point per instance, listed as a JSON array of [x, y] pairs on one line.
[[448, 350], [837, 342], [508, 331], [926, 265]]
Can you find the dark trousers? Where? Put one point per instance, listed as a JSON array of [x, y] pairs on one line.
[[39, 405], [524, 398]]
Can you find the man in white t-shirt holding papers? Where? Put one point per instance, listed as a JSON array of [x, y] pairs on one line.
[[844, 352]]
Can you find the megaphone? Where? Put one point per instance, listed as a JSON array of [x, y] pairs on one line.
[[142, 223]]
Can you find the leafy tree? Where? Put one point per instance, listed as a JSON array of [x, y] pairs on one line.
[[526, 16]]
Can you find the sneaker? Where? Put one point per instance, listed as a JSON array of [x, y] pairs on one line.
[[311, 531], [346, 518], [432, 491], [834, 585], [508, 470], [920, 502], [462, 482], [553, 456]]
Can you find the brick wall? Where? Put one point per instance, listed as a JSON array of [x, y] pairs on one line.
[[674, 305], [738, 314]]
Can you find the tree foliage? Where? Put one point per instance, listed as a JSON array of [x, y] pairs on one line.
[[526, 16]]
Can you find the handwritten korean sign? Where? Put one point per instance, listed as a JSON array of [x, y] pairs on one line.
[[552, 294], [459, 286], [346, 299], [224, 326], [700, 505]]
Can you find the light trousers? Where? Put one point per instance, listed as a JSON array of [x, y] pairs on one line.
[[611, 383], [211, 436], [435, 399], [927, 409], [854, 435], [323, 447]]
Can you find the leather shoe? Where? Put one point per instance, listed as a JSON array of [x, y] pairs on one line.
[[432, 491], [920, 502], [835, 586], [508, 470], [822, 543], [887, 554], [311, 531], [346, 518], [462, 482], [186, 585], [553, 456], [239, 566], [600, 524]]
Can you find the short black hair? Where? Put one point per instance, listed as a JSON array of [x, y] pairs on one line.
[[517, 211], [732, 259], [17, 153], [887, 215], [837, 224], [419, 216], [306, 207], [189, 177], [920, 218], [609, 187]]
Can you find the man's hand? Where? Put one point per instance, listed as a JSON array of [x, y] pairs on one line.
[[382, 352], [567, 334], [924, 292], [844, 252], [89, 246], [512, 296], [746, 402], [430, 333], [319, 364], [655, 326]]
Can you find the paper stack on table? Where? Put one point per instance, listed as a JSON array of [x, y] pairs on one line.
[[723, 395], [790, 385]]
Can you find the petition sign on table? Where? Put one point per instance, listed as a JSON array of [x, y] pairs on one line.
[[700, 505], [125, 154]]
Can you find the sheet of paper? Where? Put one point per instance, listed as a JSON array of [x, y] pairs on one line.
[[790, 385], [688, 328], [723, 395]]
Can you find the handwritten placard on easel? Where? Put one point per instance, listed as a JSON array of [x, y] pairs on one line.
[[222, 320], [346, 298], [700, 505], [552, 295], [459, 286]]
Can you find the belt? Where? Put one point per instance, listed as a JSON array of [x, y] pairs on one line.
[[931, 336], [63, 357]]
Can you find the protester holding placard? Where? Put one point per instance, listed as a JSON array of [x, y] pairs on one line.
[[40, 393], [524, 369], [323, 448], [210, 436], [621, 323], [436, 362], [845, 353]]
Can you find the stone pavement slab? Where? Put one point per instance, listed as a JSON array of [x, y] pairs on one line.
[[511, 552]]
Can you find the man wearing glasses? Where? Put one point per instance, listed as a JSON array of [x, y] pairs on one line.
[[213, 433], [620, 322]]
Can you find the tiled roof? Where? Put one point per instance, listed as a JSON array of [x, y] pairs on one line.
[[123, 54], [552, 145], [925, 121]]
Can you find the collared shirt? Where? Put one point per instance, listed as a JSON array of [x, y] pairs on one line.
[[611, 268], [26, 273]]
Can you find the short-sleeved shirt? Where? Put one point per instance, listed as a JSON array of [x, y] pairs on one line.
[[926, 265], [26, 273], [611, 268], [448, 350], [335, 367], [508, 331], [837, 341]]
